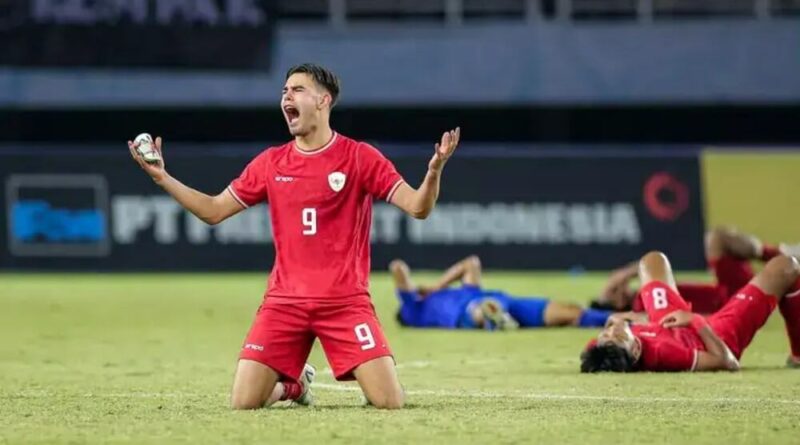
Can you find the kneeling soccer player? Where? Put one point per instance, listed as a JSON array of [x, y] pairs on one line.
[[675, 339], [469, 306], [320, 187]]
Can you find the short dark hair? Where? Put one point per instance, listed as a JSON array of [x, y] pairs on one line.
[[607, 358], [322, 76]]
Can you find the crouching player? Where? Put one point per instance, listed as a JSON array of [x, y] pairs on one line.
[[675, 339], [469, 306]]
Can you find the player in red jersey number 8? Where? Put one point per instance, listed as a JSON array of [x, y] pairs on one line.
[[669, 337]]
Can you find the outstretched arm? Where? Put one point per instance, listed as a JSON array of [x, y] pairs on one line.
[[420, 202], [210, 209]]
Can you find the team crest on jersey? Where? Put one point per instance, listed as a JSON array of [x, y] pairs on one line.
[[336, 181]]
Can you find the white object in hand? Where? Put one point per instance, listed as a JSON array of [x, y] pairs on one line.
[[146, 148]]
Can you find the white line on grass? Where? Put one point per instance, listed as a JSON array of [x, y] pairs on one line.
[[426, 392], [551, 397]]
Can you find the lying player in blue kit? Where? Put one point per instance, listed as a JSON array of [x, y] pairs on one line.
[[472, 307]]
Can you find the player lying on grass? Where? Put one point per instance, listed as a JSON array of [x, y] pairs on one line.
[[669, 337], [320, 187], [469, 306], [729, 254]]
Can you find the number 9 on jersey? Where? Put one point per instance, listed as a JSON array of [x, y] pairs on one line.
[[310, 221]]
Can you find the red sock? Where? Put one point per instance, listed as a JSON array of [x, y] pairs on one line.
[[291, 390], [790, 310], [769, 252]]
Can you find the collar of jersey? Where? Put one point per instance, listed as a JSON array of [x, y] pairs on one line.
[[319, 150]]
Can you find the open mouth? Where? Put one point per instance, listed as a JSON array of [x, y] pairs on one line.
[[292, 113]]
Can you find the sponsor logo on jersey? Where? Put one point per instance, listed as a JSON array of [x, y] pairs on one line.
[[254, 347], [284, 178], [336, 180]]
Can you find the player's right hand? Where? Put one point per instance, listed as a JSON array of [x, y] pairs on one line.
[[156, 170]]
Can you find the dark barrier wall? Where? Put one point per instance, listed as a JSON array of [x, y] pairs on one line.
[[95, 210], [689, 124]]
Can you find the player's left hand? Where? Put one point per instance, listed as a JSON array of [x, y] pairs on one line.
[[677, 319], [444, 149]]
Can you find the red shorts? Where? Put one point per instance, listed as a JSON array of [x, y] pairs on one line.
[[704, 298], [282, 336], [742, 316], [731, 273]]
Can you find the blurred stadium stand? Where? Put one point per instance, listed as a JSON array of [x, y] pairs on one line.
[[341, 12], [596, 113], [718, 71]]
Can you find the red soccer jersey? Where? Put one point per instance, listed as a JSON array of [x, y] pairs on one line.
[[320, 204], [667, 349]]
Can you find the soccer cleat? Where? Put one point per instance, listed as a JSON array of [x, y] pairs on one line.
[[790, 250], [496, 317], [306, 379], [793, 362]]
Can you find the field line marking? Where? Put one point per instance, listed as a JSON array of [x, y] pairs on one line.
[[440, 393], [551, 396]]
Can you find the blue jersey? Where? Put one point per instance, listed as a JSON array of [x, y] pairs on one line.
[[447, 308], [441, 309]]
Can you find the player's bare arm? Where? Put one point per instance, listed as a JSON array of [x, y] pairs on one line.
[[401, 274], [633, 317], [420, 202], [620, 279], [210, 209], [468, 271], [717, 356]]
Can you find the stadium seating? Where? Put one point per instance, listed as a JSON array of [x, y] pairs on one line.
[[456, 11]]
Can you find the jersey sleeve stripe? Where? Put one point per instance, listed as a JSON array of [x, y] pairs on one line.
[[393, 189], [236, 197], [696, 359]]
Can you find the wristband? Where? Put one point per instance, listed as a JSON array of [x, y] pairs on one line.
[[698, 322]]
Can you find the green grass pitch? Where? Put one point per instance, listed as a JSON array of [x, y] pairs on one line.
[[149, 359]]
